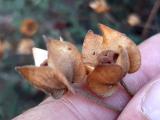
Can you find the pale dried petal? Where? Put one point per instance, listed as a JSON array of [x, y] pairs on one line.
[[39, 55]]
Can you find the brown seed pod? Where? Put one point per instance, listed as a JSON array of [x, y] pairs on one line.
[[113, 48], [64, 67], [92, 46]]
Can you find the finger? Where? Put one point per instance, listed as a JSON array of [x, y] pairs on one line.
[[145, 104], [150, 66], [118, 100], [71, 107]]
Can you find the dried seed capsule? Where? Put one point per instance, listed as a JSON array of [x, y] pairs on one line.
[[113, 48], [63, 67]]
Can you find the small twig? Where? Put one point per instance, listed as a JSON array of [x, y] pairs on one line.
[[150, 18]]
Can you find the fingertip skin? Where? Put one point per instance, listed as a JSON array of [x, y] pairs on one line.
[[70, 107], [145, 104]]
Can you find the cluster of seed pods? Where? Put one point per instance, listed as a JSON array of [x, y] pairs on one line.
[[104, 61]]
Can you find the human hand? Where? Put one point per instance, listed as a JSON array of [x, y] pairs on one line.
[[144, 105]]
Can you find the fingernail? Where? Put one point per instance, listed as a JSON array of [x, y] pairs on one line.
[[151, 102]]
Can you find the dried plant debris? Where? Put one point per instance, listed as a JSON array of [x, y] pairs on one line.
[[25, 46], [29, 27], [1, 49], [134, 20], [104, 61], [99, 6], [4, 46]]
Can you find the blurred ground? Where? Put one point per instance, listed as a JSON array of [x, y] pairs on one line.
[[23, 22]]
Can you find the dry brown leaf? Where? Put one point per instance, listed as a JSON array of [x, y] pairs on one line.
[[46, 79]]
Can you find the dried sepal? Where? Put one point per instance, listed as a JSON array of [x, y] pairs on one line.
[[113, 39], [99, 6], [92, 46], [104, 78], [123, 60], [46, 79], [134, 20], [73, 67]]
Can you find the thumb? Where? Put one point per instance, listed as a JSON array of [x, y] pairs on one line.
[[145, 104]]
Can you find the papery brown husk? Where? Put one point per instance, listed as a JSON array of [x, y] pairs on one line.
[[104, 78], [113, 39]]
